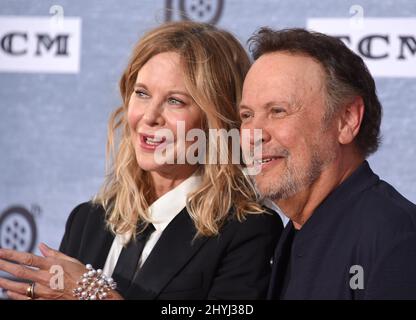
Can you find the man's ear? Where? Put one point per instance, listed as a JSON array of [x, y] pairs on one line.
[[350, 120]]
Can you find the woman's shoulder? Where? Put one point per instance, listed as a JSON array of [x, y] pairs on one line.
[[268, 222], [84, 218], [84, 212], [255, 235]]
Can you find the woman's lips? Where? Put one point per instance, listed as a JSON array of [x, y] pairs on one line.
[[151, 142]]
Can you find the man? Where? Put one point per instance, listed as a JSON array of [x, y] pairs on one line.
[[350, 235]]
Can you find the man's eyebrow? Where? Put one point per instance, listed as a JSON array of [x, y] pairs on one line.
[[266, 105], [272, 103]]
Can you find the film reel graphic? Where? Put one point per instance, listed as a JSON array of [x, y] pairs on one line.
[[208, 11], [18, 232], [18, 229]]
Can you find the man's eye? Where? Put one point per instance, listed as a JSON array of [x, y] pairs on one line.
[[141, 94], [175, 101], [277, 111]]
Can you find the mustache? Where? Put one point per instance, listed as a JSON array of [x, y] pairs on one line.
[[276, 152], [251, 155]]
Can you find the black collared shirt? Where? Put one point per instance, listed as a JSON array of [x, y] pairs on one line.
[[364, 223]]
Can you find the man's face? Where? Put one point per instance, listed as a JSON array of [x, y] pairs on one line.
[[284, 95]]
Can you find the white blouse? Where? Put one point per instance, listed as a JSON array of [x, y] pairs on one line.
[[162, 212]]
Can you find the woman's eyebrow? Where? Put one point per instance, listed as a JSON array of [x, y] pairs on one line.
[[243, 107], [141, 85], [179, 92]]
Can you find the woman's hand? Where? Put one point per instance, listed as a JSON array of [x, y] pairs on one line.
[[55, 275]]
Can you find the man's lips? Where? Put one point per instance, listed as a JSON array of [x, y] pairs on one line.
[[267, 161]]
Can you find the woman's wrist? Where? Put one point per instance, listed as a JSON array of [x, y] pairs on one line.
[[94, 285], [114, 295]]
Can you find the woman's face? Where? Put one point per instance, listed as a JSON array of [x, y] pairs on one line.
[[159, 101]]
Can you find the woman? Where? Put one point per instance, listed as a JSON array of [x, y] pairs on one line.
[[163, 229]]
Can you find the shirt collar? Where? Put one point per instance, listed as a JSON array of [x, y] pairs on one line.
[[164, 209], [339, 202], [272, 205]]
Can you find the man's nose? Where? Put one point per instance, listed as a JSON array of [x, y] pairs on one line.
[[258, 132]]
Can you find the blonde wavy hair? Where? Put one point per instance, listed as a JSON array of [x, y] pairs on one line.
[[215, 65]]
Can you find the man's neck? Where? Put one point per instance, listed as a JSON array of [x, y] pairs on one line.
[[300, 207]]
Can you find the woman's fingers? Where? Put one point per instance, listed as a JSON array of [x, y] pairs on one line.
[[25, 258], [23, 272], [16, 296], [39, 270], [17, 287], [51, 253], [20, 288]]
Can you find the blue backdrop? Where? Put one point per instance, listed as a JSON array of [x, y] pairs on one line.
[[53, 122]]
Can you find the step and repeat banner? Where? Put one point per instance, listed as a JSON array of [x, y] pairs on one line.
[[60, 62]]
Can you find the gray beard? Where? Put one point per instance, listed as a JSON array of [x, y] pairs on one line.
[[294, 180]]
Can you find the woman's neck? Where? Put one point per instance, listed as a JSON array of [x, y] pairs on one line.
[[164, 182]]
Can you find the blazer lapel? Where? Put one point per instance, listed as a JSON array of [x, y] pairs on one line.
[[174, 249], [96, 244], [279, 263]]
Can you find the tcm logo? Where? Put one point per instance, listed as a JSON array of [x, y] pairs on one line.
[[208, 11], [34, 44], [58, 45], [387, 45]]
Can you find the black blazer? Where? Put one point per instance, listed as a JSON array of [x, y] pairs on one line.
[[233, 265], [364, 222]]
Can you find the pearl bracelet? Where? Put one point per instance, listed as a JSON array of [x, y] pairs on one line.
[[94, 285]]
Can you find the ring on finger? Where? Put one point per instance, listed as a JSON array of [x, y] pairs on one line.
[[30, 291]]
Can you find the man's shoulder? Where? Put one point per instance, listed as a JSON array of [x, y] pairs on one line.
[[386, 242], [383, 206], [380, 215], [369, 203]]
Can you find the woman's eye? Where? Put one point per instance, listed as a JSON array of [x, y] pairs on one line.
[[141, 94], [245, 115], [175, 101]]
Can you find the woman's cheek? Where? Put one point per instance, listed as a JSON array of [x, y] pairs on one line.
[[188, 119], [174, 121], [133, 116]]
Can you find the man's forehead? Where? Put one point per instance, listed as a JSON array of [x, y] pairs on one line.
[[286, 66], [282, 76]]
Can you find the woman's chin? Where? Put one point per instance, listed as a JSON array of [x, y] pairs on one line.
[[152, 167]]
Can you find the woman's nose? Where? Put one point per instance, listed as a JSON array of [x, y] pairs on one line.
[[153, 114]]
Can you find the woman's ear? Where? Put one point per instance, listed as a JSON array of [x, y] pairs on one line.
[[350, 120]]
